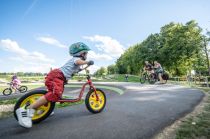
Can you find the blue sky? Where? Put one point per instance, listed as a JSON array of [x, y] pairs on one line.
[[35, 34]]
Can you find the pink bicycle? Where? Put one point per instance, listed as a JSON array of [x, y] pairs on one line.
[[8, 91]]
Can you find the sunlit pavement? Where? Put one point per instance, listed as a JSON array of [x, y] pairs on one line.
[[140, 112]]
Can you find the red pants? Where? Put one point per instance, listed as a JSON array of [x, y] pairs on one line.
[[55, 85]]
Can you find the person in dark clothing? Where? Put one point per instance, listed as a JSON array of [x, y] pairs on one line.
[[148, 68]]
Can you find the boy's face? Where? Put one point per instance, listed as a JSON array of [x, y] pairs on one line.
[[84, 55]]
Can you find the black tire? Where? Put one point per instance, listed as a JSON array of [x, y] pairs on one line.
[[7, 91], [88, 103], [165, 77], [143, 79], [152, 78], [35, 92], [23, 89]]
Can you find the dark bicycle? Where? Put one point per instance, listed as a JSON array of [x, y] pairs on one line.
[[153, 77], [145, 76]]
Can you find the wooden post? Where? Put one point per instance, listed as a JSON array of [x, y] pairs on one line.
[[207, 82]]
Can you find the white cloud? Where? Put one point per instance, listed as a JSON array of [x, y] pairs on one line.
[[35, 67], [92, 55], [38, 61], [37, 56], [107, 44], [92, 69], [51, 41], [12, 46]]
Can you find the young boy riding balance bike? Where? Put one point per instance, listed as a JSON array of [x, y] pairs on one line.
[[55, 81]]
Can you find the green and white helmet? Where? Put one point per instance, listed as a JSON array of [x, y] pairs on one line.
[[76, 49]]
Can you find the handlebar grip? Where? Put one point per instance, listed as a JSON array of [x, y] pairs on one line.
[[90, 62]]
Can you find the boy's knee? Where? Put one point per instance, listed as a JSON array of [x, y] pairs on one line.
[[52, 97]]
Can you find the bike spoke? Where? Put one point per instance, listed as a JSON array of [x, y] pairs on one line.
[[43, 108], [33, 100], [94, 98]]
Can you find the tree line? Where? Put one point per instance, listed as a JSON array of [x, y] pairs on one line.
[[180, 48], [22, 73]]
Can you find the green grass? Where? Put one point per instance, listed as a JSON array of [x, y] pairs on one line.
[[65, 104], [24, 78], [33, 86], [2, 88], [6, 114], [29, 87], [115, 89], [131, 78], [104, 78], [9, 101], [109, 78], [120, 78], [196, 126]]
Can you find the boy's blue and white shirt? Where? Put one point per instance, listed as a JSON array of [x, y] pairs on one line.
[[70, 68]]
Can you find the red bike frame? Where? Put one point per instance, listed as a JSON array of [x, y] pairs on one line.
[[89, 82]]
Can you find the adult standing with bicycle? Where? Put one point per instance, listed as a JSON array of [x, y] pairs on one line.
[[159, 71]]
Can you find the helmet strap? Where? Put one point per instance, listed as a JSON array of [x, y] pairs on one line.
[[82, 57]]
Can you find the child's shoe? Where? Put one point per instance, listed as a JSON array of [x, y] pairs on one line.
[[24, 117]]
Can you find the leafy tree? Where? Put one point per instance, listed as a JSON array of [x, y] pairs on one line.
[[101, 71], [20, 74], [111, 69], [206, 50], [179, 48]]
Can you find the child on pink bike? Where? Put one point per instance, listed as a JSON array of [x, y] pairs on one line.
[[55, 81], [15, 83]]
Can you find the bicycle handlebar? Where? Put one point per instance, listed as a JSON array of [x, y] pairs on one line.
[[85, 68]]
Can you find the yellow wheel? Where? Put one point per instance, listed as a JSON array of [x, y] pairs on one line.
[[94, 105], [42, 112]]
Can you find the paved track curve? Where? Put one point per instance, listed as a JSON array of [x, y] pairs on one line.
[[139, 113]]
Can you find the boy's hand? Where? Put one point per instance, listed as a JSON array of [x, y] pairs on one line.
[[80, 70], [90, 62]]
